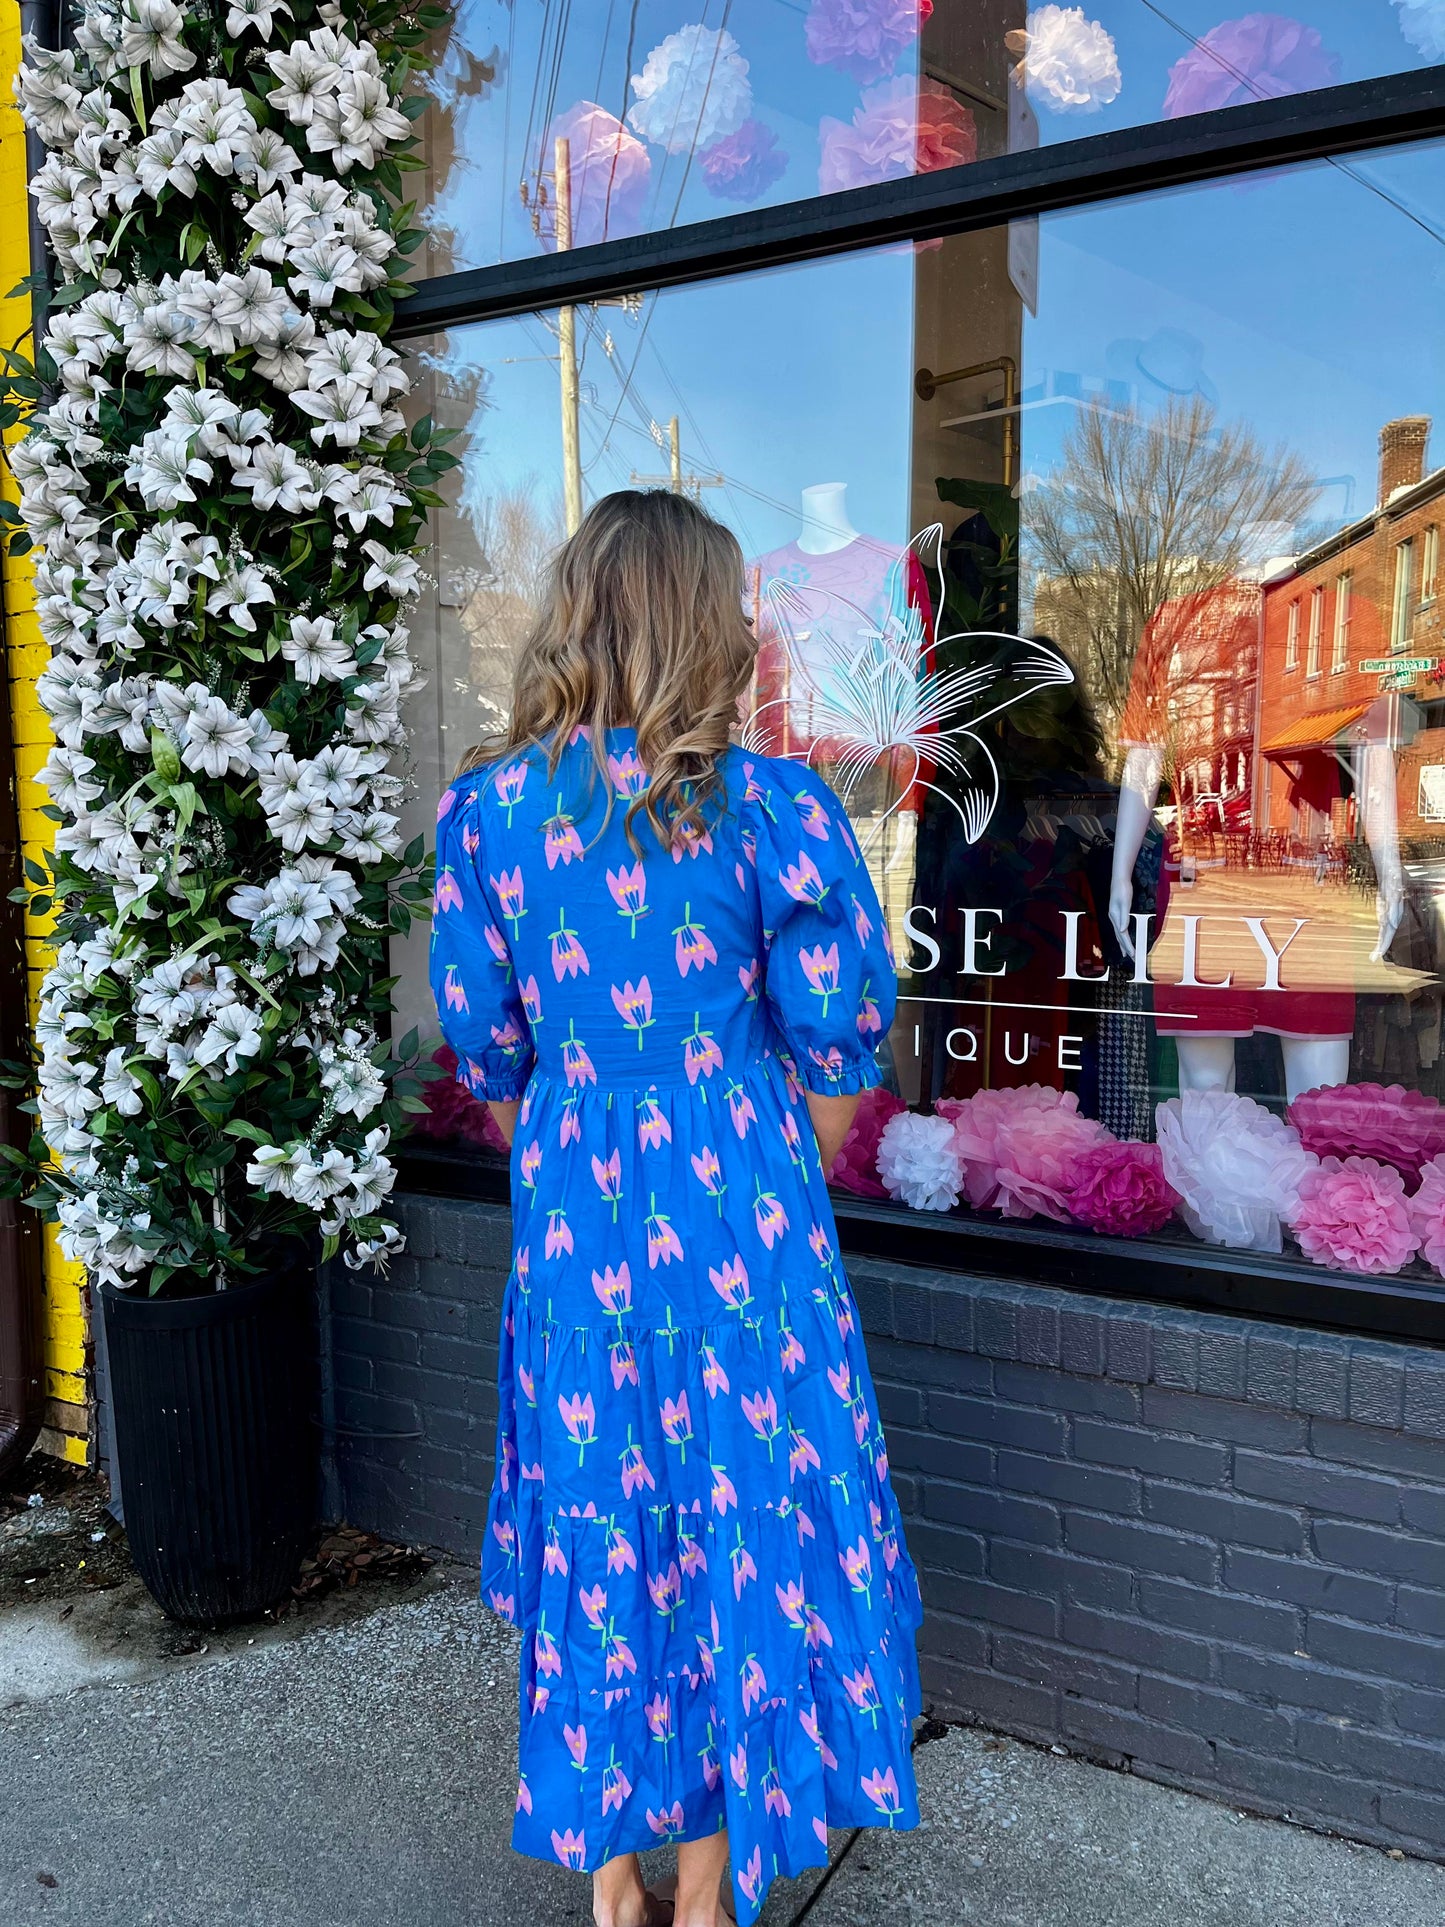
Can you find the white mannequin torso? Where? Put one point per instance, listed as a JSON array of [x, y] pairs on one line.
[[826, 527]]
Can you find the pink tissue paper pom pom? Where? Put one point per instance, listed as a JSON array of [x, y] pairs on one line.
[[743, 165], [1353, 1216], [1121, 1190], [903, 127], [856, 1166], [863, 37], [1384, 1121], [610, 174], [1019, 1148], [453, 1113], [1427, 1214], [1262, 56]]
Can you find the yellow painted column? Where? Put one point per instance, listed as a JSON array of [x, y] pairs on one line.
[[67, 1380]]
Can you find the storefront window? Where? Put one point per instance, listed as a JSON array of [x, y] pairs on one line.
[[1043, 528], [661, 112]]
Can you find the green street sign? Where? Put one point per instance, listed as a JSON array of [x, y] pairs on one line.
[[1397, 665]]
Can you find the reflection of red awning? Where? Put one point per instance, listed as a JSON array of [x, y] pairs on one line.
[[1315, 731]]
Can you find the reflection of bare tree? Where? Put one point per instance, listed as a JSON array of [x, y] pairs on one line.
[[1141, 508], [517, 537]]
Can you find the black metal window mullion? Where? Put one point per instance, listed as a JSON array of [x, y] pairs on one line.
[[1304, 127]]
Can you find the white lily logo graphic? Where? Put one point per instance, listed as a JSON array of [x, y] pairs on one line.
[[872, 697]]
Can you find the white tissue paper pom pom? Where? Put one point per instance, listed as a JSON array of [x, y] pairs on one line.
[[693, 90], [1423, 24], [1071, 64], [1237, 1167], [918, 1163]]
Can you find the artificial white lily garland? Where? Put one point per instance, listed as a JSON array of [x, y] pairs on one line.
[[230, 512]]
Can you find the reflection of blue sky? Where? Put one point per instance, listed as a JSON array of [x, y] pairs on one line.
[[1306, 305], [498, 133]]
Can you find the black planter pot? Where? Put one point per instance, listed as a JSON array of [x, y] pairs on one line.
[[216, 1447]]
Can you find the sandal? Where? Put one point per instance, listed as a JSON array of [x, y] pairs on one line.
[[666, 1892]]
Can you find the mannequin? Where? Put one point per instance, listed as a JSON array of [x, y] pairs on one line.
[[826, 527], [1207, 1062]]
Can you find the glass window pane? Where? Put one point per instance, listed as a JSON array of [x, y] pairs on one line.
[[1046, 530], [662, 112]]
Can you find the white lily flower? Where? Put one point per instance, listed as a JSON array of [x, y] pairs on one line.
[[396, 571], [260, 14], [151, 37], [342, 412], [267, 160], [323, 270], [233, 1035], [277, 478], [119, 1088], [319, 654], [306, 77]]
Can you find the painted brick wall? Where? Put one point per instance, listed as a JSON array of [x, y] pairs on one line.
[[1211, 1549]]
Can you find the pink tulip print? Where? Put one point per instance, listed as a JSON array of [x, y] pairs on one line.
[[559, 1234], [576, 1063], [561, 843], [870, 1018], [530, 1164], [741, 1108], [509, 1040], [620, 1554], [579, 1415], [882, 1790], [769, 1216], [616, 1787], [790, 1350], [663, 1243], [812, 815], [863, 1695], [750, 976], [570, 1129], [608, 1174], [694, 1559], [808, 1719], [568, 956], [724, 1492], [653, 1128], [857, 1564], [664, 1589], [620, 1658], [633, 1003], [629, 893], [511, 894], [658, 1713], [818, 1244], [454, 990], [531, 1001], [774, 1798], [709, 1174], [792, 1137], [744, 1566], [750, 1876], [524, 1797], [738, 1767], [623, 1361], [802, 1453], [791, 1604], [862, 923], [636, 1472], [803, 882], [692, 842], [471, 840], [509, 783], [445, 806], [700, 1054], [593, 1601], [711, 1766], [497, 944], [554, 1559], [754, 1683], [694, 947], [614, 1288], [714, 1378], [820, 967], [668, 1824], [504, 1605], [628, 773], [576, 1738], [448, 894], [761, 1412], [730, 1282], [677, 1423], [570, 1848]]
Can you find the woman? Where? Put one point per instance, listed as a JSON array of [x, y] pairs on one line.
[[662, 963]]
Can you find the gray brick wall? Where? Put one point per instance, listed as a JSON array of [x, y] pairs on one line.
[[1209, 1549]]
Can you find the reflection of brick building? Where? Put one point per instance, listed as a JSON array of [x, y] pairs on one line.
[[1369, 593]]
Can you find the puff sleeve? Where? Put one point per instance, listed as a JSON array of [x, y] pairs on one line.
[[473, 979], [828, 973]]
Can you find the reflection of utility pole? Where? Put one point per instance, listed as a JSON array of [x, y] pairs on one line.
[[567, 341], [679, 483]]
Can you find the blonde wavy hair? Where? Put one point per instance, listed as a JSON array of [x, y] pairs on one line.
[[641, 624]]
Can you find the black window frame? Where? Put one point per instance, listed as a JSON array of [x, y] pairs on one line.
[[1356, 119]]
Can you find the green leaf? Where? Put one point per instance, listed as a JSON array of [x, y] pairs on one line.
[[165, 756], [421, 432]]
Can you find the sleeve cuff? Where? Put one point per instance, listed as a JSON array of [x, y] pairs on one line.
[[847, 1078], [501, 1087]]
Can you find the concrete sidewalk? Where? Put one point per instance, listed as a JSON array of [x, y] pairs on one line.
[[362, 1775]]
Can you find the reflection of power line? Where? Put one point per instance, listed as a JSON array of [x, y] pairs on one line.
[[679, 482], [1348, 168]]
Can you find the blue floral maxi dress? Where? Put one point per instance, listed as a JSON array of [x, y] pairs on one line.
[[691, 1518]]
